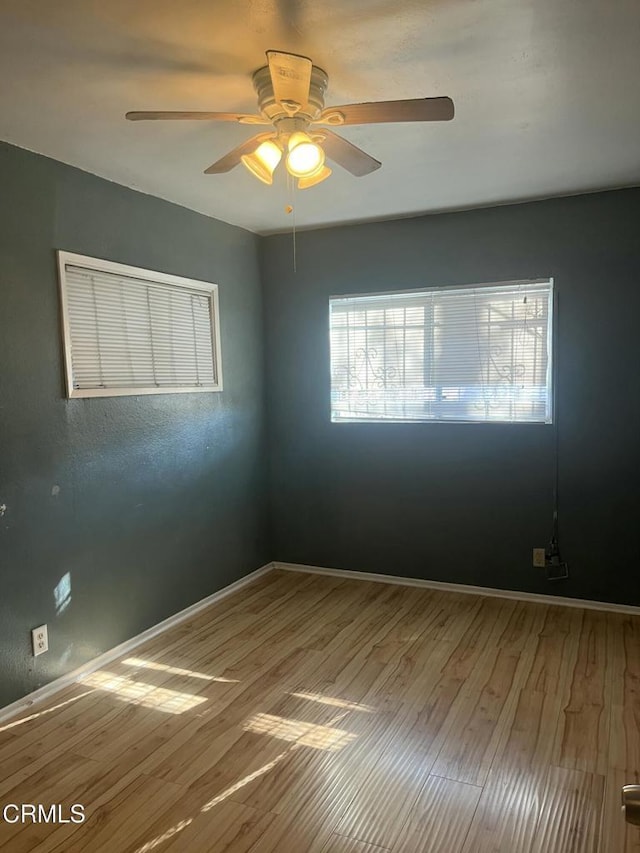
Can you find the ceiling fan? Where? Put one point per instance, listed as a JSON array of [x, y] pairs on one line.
[[290, 92]]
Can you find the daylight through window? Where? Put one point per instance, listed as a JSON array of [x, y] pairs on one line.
[[479, 353]]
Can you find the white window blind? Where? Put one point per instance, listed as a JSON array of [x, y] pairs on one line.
[[134, 331], [478, 353]]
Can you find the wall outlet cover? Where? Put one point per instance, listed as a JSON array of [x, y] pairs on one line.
[[40, 640], [539, 558]]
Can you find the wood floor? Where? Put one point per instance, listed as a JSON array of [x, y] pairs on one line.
[[312, 714]]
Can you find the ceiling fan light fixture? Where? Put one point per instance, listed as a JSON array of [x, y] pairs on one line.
[[305, 158], [318, 177], [291, 90], [263, 161]]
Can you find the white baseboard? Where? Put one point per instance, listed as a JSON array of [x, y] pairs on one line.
[[96, 663], [460, 587], [58, 684]]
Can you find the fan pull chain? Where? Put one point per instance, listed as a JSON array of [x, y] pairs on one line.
[[291, 208], [294, 231]]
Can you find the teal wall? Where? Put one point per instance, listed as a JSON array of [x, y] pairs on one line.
[[150, 503], [465, 502]]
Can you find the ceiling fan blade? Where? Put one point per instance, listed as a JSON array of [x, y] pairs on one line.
[[379, 112], [154, 115], [291, 78], [232, 158], [349, 156]]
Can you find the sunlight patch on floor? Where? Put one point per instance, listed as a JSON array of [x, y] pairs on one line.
[[300, 733], [304, 734], [183, 824], [46, 711], [333, 702], [175, 670], [245, 781], [160, 839], [141, 693]]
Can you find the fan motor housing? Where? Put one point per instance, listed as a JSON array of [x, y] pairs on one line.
[[274, 111]]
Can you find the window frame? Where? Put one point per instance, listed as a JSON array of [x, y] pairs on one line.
[[65, 258], [551, 338]]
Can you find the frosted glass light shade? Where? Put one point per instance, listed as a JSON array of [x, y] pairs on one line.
[[263, 161], [312, 180], [305, 157]]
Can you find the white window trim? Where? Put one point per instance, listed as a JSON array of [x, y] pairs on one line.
[[551, 368], [100, 265]]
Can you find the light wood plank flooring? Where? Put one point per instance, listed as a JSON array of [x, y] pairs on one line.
[[313, 714]]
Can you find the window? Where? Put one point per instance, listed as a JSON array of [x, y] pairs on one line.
[[480, 353], [133, 331]]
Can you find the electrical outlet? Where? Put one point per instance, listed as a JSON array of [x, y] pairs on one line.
[[40, 640], [539, 558]]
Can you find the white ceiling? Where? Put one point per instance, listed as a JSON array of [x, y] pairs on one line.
[[547, 97]]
